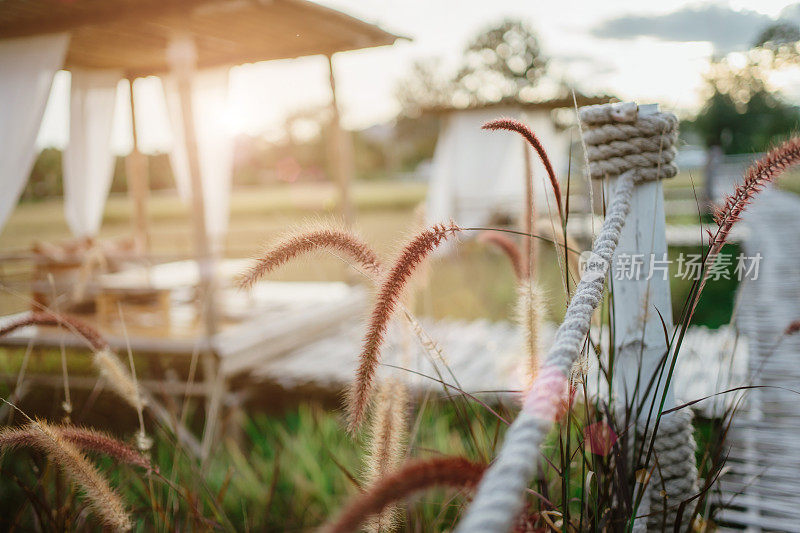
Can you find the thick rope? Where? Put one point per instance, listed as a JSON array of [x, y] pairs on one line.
[[618, 140], [501, 494], [674, 476]]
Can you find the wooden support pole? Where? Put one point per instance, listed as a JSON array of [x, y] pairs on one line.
[[137, 174], [183, 56], [340, 153], [641, 296]]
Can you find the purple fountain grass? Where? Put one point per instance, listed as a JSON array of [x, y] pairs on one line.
[[387, 434], [413, 477], [108, 364], [792, 328], [103, 501], [508, 247], [46, 318], [511, 124], [763, 171], [85, 439], [760, 173], [390, 291], [307, 240]]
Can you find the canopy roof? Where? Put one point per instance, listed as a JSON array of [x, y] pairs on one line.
[[132, 35], [545, 104]]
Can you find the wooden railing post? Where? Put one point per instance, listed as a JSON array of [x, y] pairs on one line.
[[642, 306]]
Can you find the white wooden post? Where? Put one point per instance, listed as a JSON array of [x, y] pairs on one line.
[[639, 339]]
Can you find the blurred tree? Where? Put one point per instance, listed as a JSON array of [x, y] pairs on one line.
[[780, 40], [424, 86], [499, 63], [742, 112]]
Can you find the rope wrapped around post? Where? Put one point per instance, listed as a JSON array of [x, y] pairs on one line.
[[619, 143]]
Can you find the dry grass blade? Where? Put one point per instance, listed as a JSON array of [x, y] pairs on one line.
[[413, 477], [307, 240], [391, 289], [511, 124], [103, 501]]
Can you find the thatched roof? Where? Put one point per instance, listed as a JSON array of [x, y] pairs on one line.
[[132, 35]]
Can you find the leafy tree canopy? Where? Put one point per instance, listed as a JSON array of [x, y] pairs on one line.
[[502, 62], [742, 112]]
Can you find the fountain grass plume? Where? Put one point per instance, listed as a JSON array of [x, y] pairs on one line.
[[306, 240], [110, 367], [86, 439], [46, 318], [511, 124], [119, 378], [413, 477], [529, 314], [103, 502], [763, 171], [792, 328], [508, 247], [760, 173], [389, 293], [387, 434]]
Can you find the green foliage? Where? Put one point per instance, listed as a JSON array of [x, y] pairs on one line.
[[742, 114], [499, 63], [45, 178], [289, 472]]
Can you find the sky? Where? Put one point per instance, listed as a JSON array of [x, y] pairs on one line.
[[643, 51]]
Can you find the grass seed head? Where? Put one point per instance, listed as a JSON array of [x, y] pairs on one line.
[[390, 292]]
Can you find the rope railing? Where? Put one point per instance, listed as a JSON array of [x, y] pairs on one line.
[[633, 147]]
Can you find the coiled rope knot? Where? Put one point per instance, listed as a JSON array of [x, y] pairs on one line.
[[674, 472], [618, 139]]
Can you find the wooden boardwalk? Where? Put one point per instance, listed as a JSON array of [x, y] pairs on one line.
[[481, 357], [764, 479]]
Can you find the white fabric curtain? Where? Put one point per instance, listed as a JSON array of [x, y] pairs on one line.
[[27, 67], [214, 145], [478, 173], [88, 159]]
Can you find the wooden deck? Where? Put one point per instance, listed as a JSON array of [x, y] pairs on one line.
[[269, 320], [481, 357]]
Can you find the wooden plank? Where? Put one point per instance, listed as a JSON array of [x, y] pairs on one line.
[[265, 337]]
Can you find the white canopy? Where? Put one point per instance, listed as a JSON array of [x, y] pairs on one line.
[[28, 65], [88, 162], [478, 174]]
